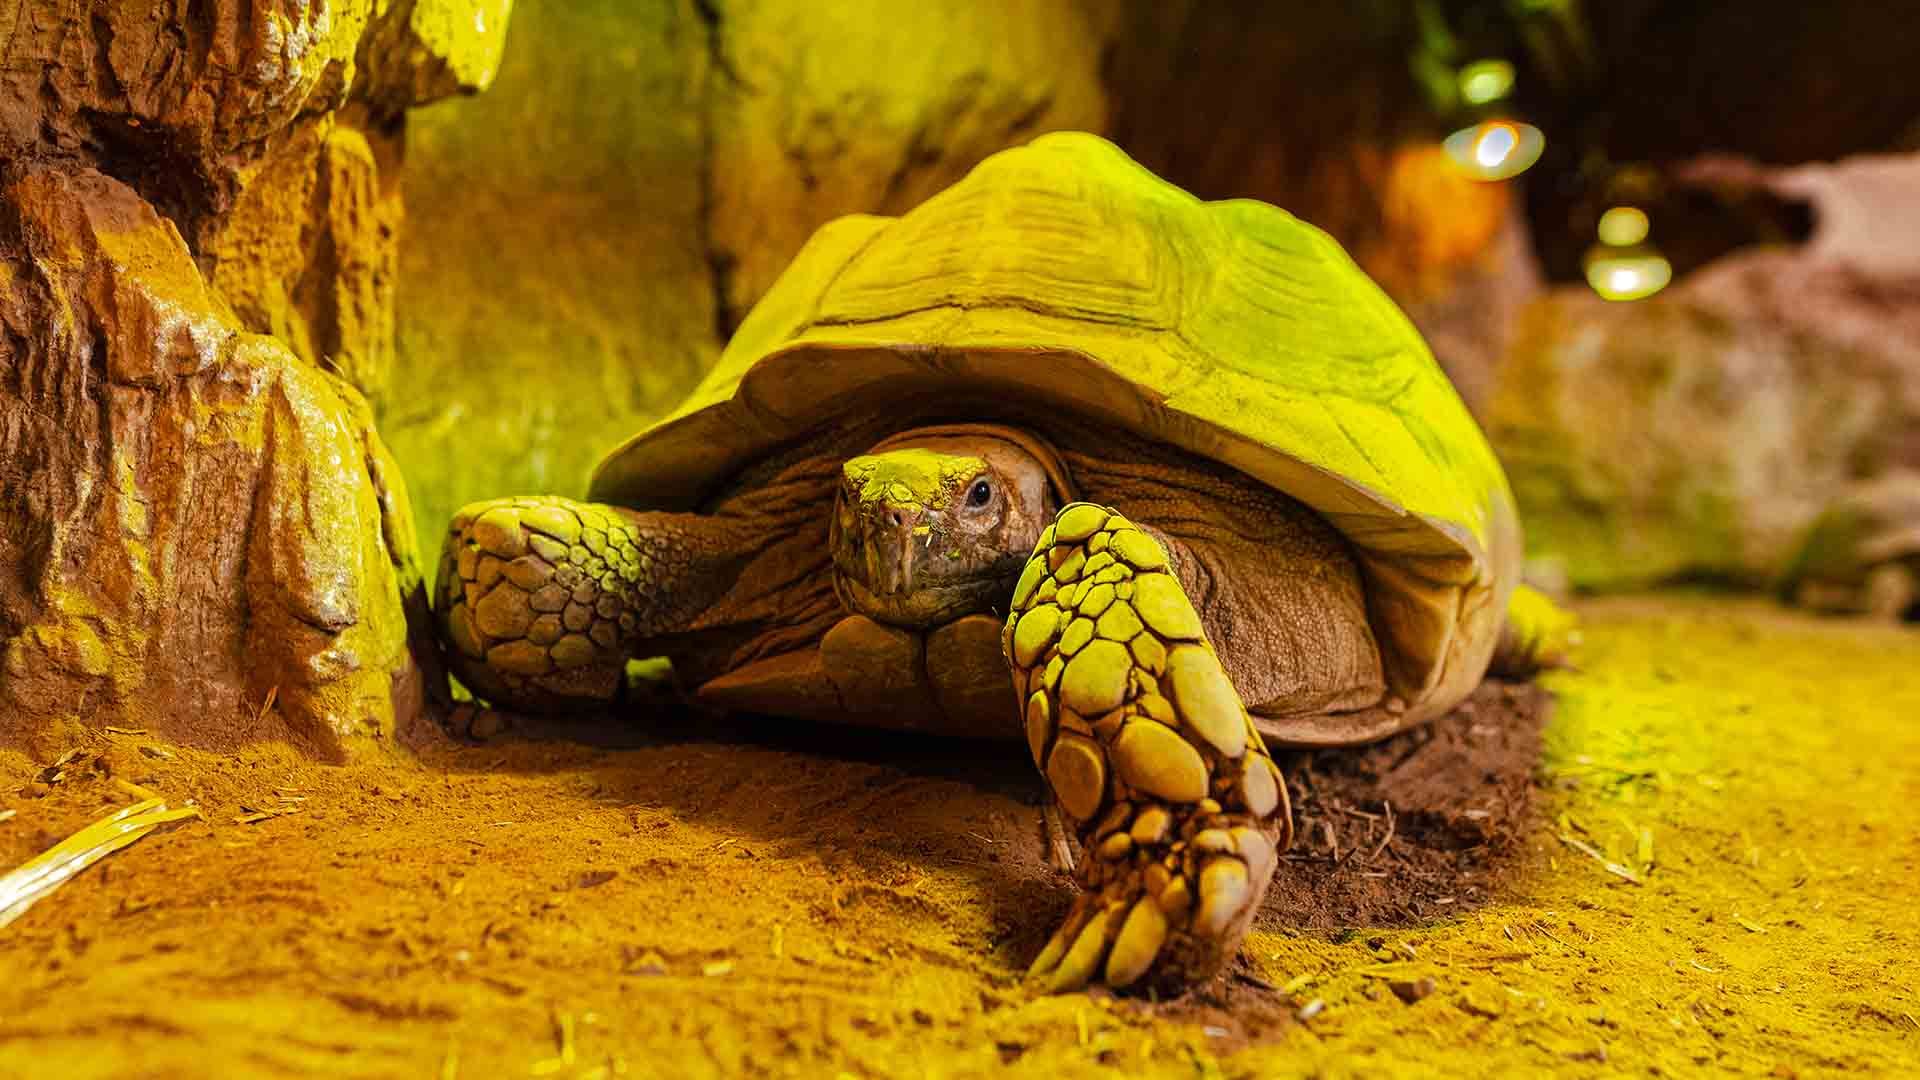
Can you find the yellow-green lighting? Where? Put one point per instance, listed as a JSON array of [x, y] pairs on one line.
[[1627, 275], [1623, 226], [1485, 80], [1495, 149]]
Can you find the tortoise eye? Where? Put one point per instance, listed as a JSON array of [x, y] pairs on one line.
[[980, 493]]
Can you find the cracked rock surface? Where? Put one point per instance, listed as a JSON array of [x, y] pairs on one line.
[[196, 523], [201, 534]]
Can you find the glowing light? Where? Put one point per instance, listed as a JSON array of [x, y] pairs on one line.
[[1630, 274], [1485, 80], [1495, 149], [1623, 226], [1494, 146]]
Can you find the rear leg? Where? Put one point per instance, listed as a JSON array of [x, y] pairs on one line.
[[1892, 591], [1149, 751], [1538, 634]]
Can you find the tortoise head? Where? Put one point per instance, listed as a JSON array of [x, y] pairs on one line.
[[927, 529]]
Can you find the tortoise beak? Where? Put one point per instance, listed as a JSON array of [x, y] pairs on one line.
[[896, 535]]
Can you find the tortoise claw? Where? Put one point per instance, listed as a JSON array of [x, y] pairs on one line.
[[1147, 747], [1152, 921], [472, 722], [1073, 956]]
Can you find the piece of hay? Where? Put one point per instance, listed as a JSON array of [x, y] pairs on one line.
[[1596, 855], [40, 875]]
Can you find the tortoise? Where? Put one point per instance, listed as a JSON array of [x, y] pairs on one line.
[[1066, 455], [1861, 556]]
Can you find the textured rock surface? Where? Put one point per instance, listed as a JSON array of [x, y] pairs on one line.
[[423, 50], [194, 521], [554, 294], [805, 126], [1698, 433], [176, 99], [200, 532], [307, 253]]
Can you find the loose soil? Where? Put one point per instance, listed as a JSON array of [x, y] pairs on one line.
[[1660, 880]]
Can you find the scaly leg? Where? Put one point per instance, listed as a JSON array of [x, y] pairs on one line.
[[1149, 750], [541, 600], [1538, 634]]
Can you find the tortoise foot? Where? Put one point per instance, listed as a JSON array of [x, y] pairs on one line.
[[470, 721], [1162, 913], [531, 602], [1891, 593], [1150, 753]]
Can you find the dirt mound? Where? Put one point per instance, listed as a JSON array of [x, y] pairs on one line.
[[1413, 827]]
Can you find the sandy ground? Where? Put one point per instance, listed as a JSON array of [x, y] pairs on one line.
[[1713, 864]]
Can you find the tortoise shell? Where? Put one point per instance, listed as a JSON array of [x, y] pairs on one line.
[[1065, 276]]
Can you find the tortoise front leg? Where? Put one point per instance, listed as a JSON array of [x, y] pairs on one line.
[[542, 600], [1148, 750]]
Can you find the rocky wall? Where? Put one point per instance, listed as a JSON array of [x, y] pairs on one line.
[[1698, 433], [201, 533]]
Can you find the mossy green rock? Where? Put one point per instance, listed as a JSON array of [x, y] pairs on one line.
[[553, 290]]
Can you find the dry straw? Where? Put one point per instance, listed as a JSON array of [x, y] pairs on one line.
[[34, 879]]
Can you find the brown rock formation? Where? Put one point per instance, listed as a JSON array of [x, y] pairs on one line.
[[176, 99], [200, 532], [307, 252], [821, 110], [1698, 433]]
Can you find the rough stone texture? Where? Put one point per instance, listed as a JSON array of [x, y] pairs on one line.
[[820, 110], [307, 253], [176, 98], [554, 295], [192, 518], [1698, 433], [308, 249], [424, 50], [200, 532]]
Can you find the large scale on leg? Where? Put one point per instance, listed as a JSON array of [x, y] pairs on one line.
[[1147, 746]]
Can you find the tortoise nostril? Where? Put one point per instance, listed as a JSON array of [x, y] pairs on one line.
[[896, 518]]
